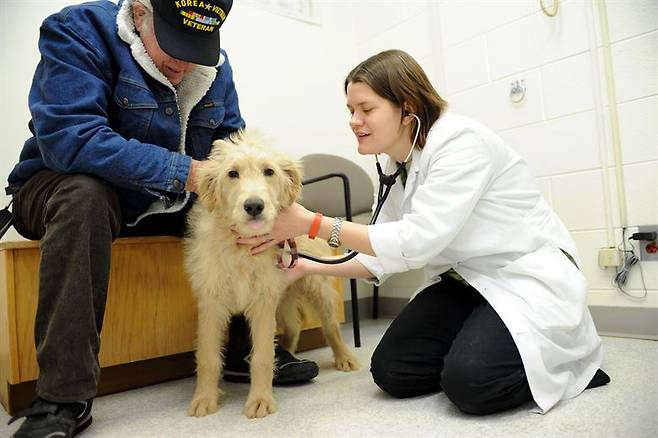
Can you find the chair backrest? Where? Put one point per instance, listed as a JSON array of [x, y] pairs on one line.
[[327, 196]]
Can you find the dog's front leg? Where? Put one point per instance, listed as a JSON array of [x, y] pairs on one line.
[[213, 320], [262, 321]]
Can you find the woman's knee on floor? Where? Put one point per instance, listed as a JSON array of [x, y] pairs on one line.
[[389, 375], [386, 378], [463, 383], [471, 386]]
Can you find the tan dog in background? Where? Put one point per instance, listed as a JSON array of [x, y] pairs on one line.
[[244, 185]]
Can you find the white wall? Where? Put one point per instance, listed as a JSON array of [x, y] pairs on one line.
[[555, 127], [19, 24], [289, 75]]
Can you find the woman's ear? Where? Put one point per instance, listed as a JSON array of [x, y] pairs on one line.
[[407, 113], [293, 187]]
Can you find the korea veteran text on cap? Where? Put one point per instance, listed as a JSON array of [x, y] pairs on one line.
[[189, 29]]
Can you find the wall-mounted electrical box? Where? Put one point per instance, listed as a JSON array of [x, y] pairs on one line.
[[610, 257]]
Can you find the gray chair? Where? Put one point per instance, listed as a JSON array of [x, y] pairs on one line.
[[324, 177]]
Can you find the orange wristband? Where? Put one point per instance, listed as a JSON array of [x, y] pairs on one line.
[[315, 226]]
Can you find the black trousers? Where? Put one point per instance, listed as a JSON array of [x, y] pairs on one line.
[[448, 337], [76, 217]]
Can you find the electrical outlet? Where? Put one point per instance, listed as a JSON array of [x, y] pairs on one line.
[[648, 248], [609, 257]]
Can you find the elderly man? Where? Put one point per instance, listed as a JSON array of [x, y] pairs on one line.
[[125, 104]]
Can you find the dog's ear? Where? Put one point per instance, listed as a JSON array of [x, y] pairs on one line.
[[293, 188], [207, 177]]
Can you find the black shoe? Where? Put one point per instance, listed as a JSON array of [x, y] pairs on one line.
[[599, 379], [49, 419], [288, 369]]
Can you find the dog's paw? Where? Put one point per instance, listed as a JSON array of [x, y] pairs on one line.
[[259, 406], [203, 404], [347, 362]]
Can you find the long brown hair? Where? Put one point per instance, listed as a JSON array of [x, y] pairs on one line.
[[397, 77]]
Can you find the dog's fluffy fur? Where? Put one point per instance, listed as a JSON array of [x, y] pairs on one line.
[[227, 280]]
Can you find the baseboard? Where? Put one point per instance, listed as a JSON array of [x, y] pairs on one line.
[[628, 322]]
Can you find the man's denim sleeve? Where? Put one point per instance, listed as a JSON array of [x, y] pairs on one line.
[[69, 102]]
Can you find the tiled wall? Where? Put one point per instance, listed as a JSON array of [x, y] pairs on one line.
[[474, 50]]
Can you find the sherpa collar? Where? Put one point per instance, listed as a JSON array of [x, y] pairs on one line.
[[194, 85]]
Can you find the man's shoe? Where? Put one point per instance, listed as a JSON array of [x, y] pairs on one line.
[[288, 369], [49, 419]]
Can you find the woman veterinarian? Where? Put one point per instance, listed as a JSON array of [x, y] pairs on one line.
[[502, 318]]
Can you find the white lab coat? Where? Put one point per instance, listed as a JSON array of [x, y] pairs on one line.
[[470, 203]]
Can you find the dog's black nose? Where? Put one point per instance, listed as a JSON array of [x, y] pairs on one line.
[[254, 206]]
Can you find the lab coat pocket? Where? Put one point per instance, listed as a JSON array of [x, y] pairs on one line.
[[551, 287]]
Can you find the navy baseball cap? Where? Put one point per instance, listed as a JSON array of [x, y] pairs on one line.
[[189, 29]]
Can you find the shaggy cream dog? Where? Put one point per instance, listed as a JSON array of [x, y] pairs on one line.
[[244, 186]]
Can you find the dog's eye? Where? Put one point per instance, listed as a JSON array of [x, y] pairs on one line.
[[233, 174], [268, 172]]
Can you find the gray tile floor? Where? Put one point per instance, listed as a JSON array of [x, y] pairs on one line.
[[341, 404]]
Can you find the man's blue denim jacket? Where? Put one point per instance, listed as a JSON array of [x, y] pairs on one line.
[[95, 111]]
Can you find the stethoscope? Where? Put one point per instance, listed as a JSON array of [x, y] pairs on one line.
[[386, 182]]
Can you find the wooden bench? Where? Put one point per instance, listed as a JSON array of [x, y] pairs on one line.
[[150, 319]]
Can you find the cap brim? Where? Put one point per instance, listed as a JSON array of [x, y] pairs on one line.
[[181, 45]]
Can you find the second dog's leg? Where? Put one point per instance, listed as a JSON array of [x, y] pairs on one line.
[[323, 297], [213, 323], [289, 322], [262, 321]]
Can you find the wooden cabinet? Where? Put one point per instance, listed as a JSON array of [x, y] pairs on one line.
[[150, 319]]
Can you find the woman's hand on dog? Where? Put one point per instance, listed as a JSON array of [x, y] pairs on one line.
[[295, 273], [291, 222], [258, 243]]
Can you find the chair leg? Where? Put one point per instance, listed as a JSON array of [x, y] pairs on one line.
[[355, 314], [375, 302]]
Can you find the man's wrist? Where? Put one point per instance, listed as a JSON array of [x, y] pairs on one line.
[[189, 184]]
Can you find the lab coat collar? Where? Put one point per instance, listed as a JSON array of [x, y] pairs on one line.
[[412, 173], [391, 166]]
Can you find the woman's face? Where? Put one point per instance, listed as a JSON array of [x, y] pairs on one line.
[[376, 123]]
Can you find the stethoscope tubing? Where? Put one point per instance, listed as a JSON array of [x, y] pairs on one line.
[[381, 198]]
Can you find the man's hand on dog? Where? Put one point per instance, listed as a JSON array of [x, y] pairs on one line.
[[191, 183]]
